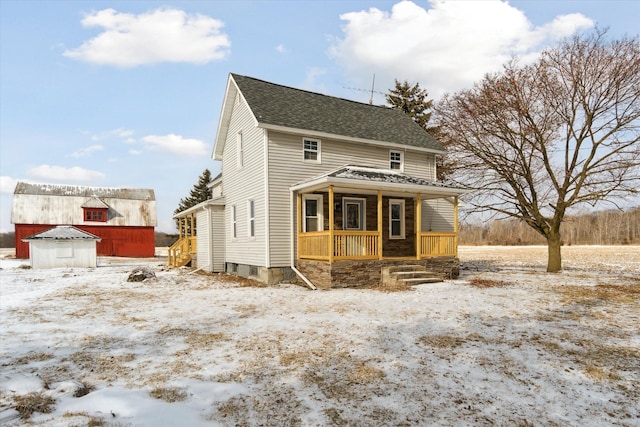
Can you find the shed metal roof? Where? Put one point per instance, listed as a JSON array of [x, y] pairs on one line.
[[62, 232], [283, 106]]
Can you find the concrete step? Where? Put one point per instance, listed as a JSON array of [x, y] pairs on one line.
[[405, 268], [421, 280], [400, 275]]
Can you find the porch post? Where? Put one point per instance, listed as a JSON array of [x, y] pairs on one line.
[[379, 224], [299, 223], [181, 227], [331, 222], [455, 223], [418, 226]]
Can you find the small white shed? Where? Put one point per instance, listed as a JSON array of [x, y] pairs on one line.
[[62, 246]]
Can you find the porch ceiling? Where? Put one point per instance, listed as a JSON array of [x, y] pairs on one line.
[[369, 180]]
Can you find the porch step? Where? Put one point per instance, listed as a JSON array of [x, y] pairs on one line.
[[409, 275], [406, 268], [421, 280]]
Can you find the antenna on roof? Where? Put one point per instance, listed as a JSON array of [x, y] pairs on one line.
[[372, 86]]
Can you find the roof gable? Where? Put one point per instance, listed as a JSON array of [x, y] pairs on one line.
[[280, 106]]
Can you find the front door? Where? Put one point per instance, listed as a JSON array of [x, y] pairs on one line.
[[354, 214]]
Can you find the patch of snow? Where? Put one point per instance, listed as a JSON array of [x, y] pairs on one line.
[[536, 348]]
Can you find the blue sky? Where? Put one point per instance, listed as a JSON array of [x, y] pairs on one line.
[[128, 93]]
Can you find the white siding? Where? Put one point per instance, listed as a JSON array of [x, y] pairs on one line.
[[62, 253], [218, 236], [286, 167], [203, 238], [242, 184], [55, 209], [437, 215]]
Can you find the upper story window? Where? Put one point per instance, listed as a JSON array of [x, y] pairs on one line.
[[311, 150], [95, 214], [239, 150], [396, 160]]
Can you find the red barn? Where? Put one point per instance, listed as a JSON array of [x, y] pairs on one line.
[[124, 218]]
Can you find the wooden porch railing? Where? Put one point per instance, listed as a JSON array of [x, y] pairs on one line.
[[436, 243], [180, 252], [355, 245], [364, 244], [346, 245]]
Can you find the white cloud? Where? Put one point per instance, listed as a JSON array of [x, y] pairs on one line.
[[59, 173], [175, 144], [87, 150], [7, 184], [161, 35], [135, 152], [281, 49], [113, 133], [446, 47]]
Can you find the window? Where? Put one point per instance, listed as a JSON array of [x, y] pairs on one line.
[[234, 224], [312, 212], [354, 218], [64, 250], [395, 160], [252, 219], [239, 150], [396, 219], [311, 150], [95, 214]]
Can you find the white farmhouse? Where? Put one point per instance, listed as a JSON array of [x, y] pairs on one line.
[[335, 192]]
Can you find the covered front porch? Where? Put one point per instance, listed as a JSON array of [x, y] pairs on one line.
[[363, 218]]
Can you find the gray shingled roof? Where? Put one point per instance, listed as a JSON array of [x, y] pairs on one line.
[[278, 105], [63, 232], [73, 190]]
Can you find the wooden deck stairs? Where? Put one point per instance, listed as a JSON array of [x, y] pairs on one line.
[[180, 253], [395, 275]]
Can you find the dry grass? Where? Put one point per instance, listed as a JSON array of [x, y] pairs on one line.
[[169, 394], [603, 293], [90, 420], [441, 341], [31, 357], [27, 404], [244, 282], [201, 341], [363, 373], [104, 367], [487, 283]]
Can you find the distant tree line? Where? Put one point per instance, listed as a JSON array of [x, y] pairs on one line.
[[612, 227]]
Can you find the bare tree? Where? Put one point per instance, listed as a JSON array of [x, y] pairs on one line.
[[536, 140]]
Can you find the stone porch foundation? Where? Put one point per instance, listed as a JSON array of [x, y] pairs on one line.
[[350, 273]]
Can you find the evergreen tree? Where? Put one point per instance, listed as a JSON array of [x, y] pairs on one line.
[[412, 101], [198, 194]]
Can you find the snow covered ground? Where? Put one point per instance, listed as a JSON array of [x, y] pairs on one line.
[[507, 344]]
